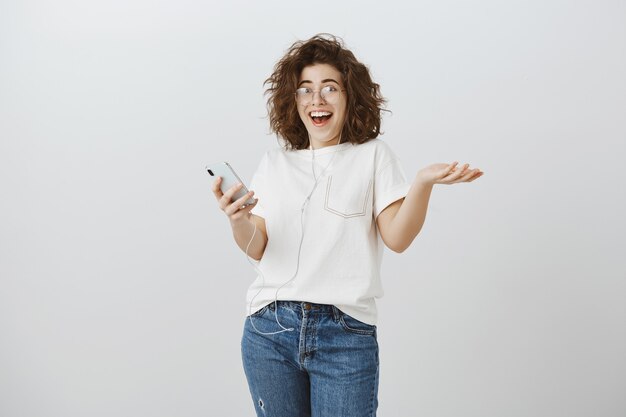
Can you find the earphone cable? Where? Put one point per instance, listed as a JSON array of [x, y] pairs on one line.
[[257, 269]]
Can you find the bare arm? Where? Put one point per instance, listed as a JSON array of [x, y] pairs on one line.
[[400, 222], [242, 221], [243, 231]]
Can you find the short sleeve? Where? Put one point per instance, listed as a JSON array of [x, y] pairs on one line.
[[259, 186], [390, 184]]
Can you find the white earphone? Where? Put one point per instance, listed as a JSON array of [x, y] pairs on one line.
[[304, 204]]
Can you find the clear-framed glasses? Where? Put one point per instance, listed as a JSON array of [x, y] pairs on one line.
[[330, 94]]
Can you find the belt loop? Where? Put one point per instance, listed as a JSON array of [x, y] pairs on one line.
[[336, 313]]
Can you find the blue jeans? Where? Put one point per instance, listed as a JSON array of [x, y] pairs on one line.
[[326, 367]]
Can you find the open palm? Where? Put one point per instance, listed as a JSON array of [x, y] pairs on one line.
[[448, 174]]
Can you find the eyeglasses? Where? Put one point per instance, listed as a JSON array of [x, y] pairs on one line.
[[329, 94]]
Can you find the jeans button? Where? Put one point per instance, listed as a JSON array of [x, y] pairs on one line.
[[307, 306]]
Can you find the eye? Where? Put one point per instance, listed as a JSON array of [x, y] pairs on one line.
[[329, 89], [303, 90]]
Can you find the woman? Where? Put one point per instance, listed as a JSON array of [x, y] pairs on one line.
[[326, 203]]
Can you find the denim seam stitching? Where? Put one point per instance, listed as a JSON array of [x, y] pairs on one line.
[[358, 331], [302, 343]]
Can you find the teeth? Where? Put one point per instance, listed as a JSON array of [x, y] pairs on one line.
[[320, 113]]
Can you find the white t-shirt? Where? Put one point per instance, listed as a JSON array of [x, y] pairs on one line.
[[342, 250]]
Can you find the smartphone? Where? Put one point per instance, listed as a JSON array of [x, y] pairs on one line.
[[229, 180]]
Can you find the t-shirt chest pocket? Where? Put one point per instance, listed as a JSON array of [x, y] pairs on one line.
[[347, 199]]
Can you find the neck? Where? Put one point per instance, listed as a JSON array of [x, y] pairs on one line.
[[317, 147]]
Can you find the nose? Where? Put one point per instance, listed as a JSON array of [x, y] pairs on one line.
[[313, 101]]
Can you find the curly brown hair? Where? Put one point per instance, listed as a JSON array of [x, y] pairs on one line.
[[364, 100]]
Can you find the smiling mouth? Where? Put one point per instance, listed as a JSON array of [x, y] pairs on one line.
[[320, 118]]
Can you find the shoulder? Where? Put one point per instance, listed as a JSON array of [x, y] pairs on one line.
[[374, 145], [273, 152], [272, 155], [277, 160], [377, 150]]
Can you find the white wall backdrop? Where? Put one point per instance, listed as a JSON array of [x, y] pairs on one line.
[[122, 290]]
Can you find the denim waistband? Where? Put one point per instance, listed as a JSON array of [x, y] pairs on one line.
[[309, 308]]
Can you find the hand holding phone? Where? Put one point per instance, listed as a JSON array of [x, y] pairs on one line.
[[229, 180]]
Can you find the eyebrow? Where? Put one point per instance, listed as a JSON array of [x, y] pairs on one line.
[[323, 81]]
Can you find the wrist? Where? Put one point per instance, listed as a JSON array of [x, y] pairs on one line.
[[423, 182], [239, 222]]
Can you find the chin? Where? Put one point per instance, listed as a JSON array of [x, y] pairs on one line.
[[326, 139]]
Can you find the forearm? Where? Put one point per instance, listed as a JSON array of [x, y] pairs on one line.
[[243, 229], [410, 217]]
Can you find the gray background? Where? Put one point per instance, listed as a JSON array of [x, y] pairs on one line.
[[122, 291]]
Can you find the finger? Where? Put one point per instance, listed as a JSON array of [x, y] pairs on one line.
[[456, 174], [228, 195], [238, 204], [446, 171], [236, 208], [216, 187], [244, 211], [451, 168], [468, 175], [232, 190], [480, 174]]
